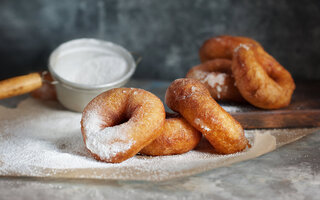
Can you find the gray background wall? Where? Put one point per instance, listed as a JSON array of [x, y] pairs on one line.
[[167, 33]]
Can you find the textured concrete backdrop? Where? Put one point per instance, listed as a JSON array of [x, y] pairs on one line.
[[167, 33]]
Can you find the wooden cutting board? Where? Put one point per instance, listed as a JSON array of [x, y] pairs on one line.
[[304, 111]]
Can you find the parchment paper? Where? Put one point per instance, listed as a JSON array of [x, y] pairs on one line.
[[44, 140]]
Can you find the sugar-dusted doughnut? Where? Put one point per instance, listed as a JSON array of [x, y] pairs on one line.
[[222, 47], [193, 101], [216, 75], [261, 80], [177, 137], [118, 123]]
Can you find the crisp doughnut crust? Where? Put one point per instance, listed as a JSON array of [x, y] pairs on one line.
[[216, 75], [177, 137], [222, 47], [118, 123], [261, 80], [193, 101]]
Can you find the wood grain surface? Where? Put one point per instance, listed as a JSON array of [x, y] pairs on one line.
[[304, 111]]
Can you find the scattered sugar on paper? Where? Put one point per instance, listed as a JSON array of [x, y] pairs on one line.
[[44, 136], [234, 107]]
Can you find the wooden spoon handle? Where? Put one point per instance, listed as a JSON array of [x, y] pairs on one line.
[[20, 85]]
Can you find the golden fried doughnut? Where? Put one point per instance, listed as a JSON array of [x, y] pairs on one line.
[[118, 123], [216, 75], [47, 90], [222, 47], [177, 137], [261, 80], [193, 101]]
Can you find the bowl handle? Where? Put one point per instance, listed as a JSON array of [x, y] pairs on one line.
[[20, 85], [136, 57]]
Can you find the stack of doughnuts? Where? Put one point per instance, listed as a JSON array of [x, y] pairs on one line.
[[119, 123], [122, 122], [238, 68]]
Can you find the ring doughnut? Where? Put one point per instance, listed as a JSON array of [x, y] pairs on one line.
[[193, 101], [177, 137], [261, 80], [222, 47], [118, 123], [216, 75]]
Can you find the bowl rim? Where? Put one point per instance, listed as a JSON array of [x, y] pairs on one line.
[[60, 80]]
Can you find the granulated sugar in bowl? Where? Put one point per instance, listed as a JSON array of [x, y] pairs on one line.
[[84, 68]]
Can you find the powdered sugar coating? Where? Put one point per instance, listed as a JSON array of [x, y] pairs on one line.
[[120, 122], [202, 125], [212, 78], [193, 89], [205, 114], [216, 75], [105, 142], [245, 46]]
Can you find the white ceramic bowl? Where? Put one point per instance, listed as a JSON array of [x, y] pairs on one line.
[[76, 96]]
